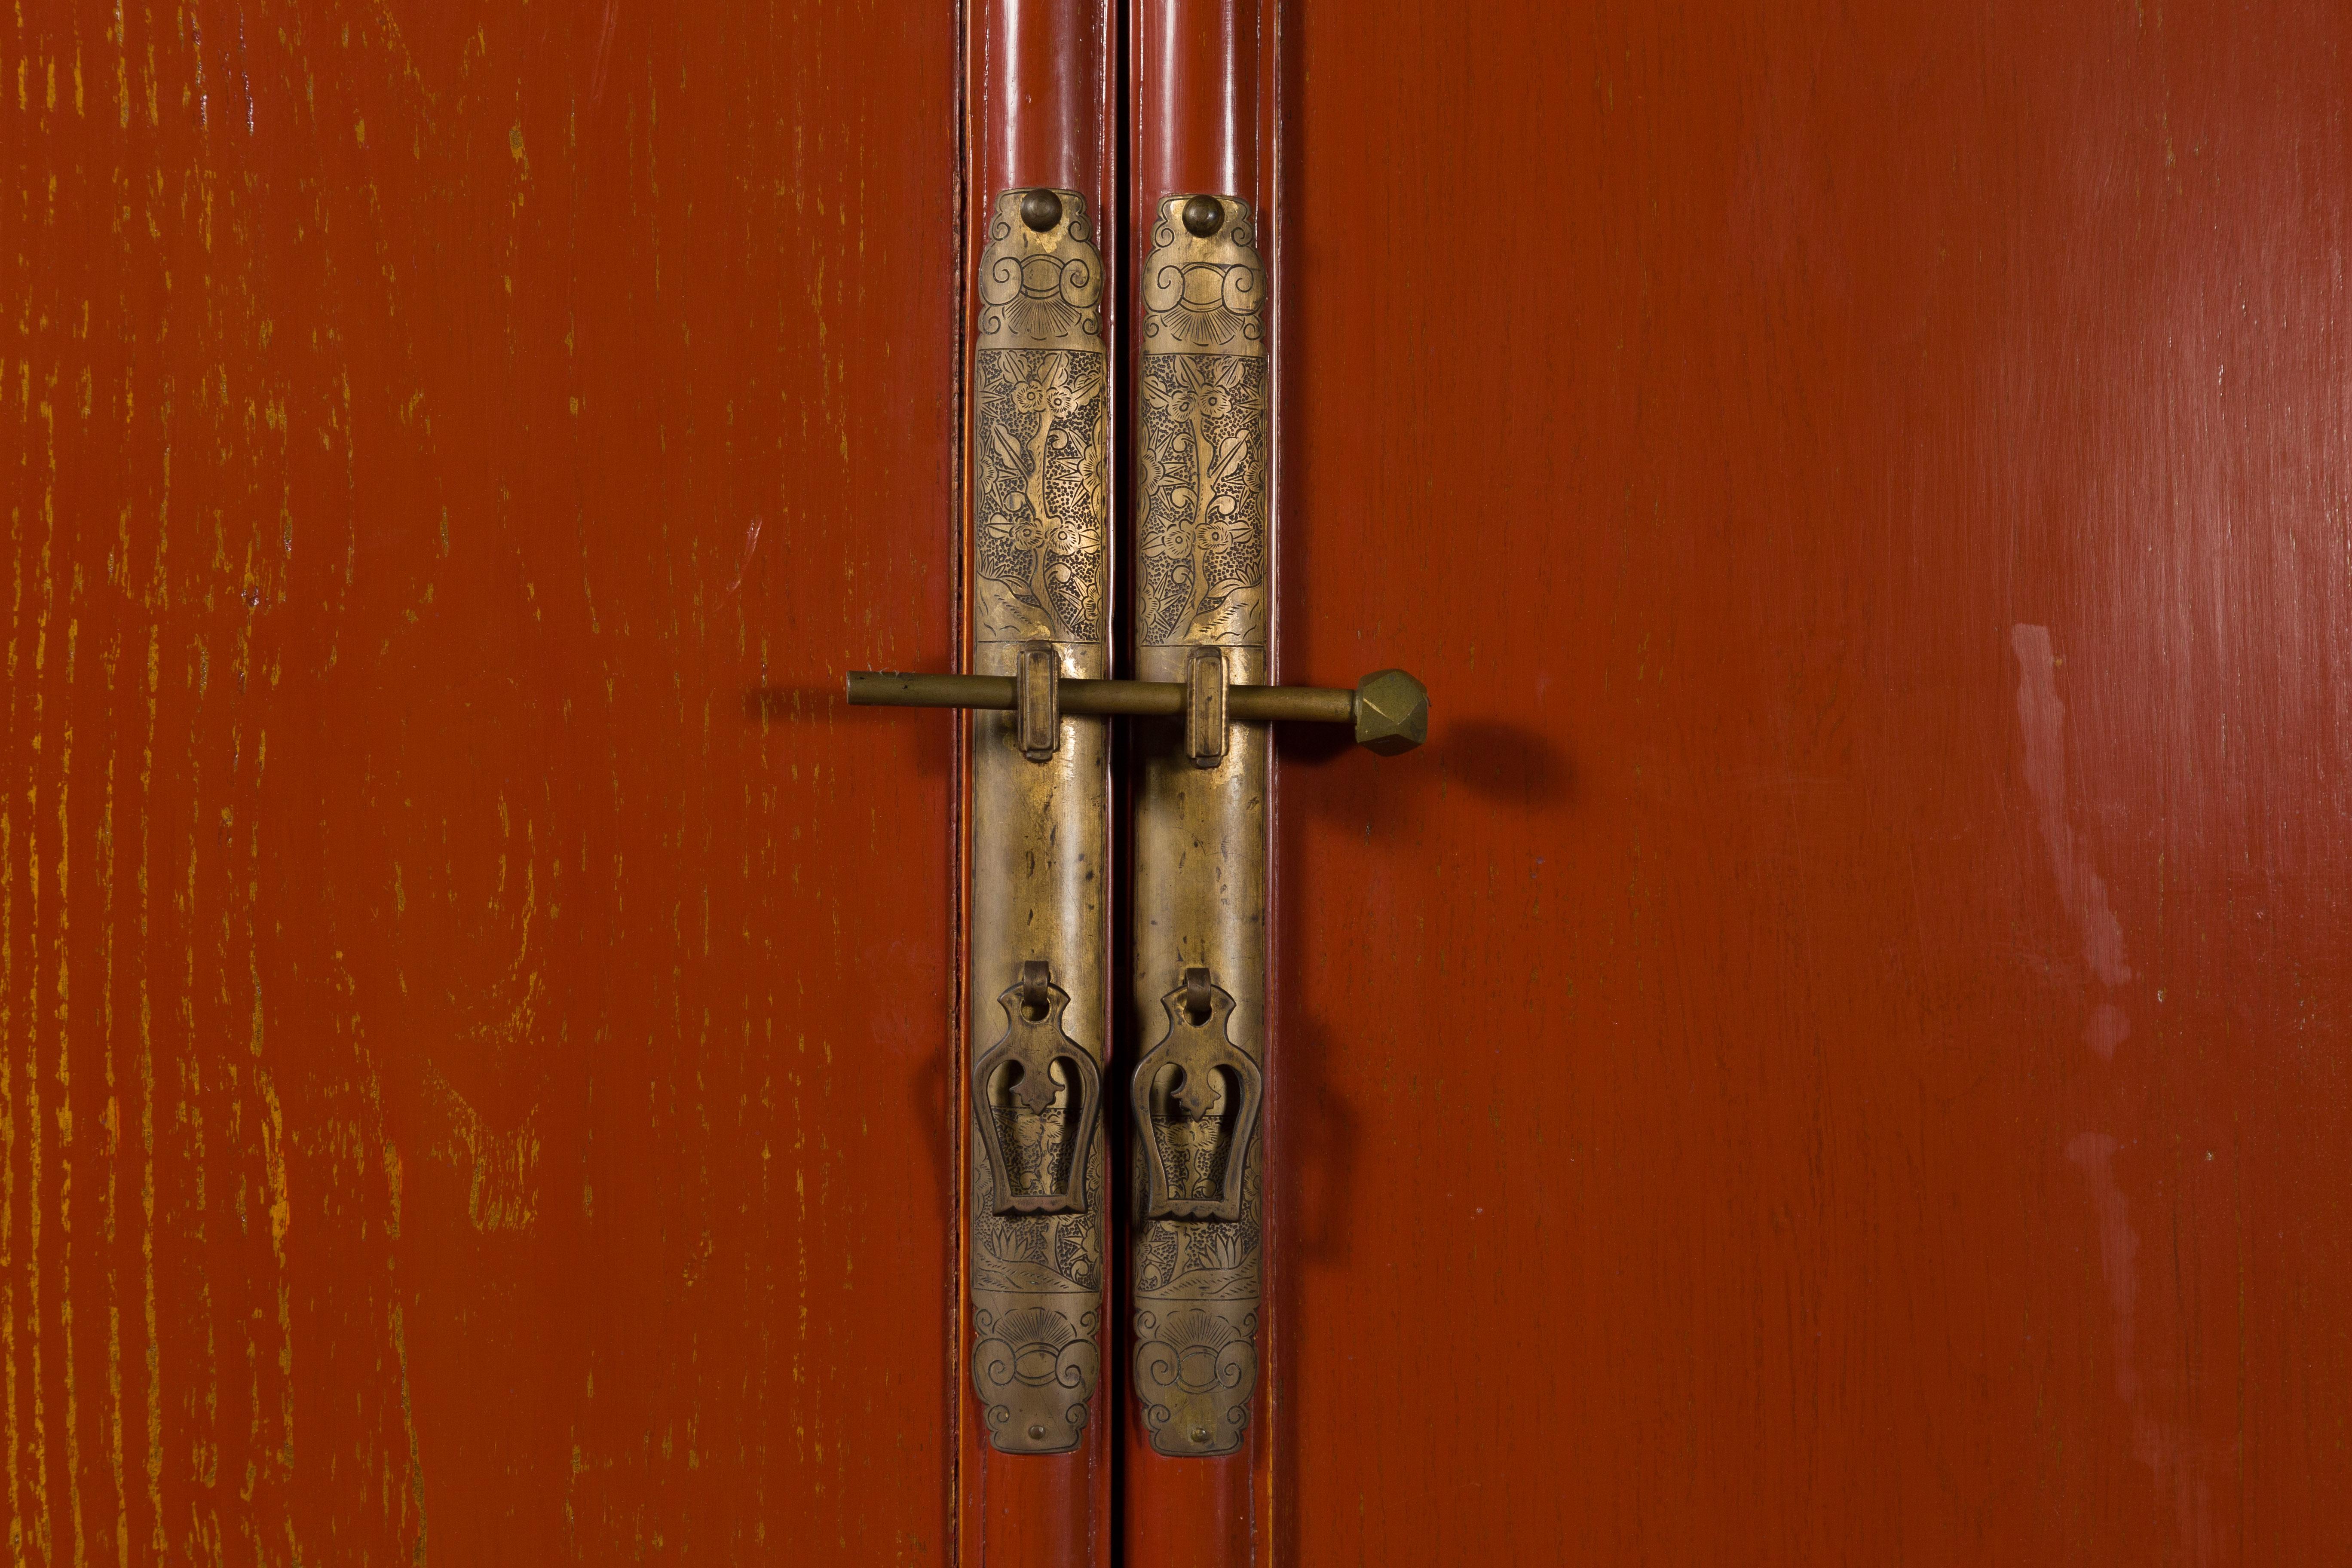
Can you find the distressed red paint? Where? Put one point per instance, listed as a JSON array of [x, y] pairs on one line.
[[475, 1072]]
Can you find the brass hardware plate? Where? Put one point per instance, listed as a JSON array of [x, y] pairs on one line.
[[1040, 822], [1202, 611]]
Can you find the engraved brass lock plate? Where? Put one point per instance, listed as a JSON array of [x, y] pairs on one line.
[[1040, 695]]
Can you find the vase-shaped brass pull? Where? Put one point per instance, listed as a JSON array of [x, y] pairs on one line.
[[1053, 1098], [1196, 1152]]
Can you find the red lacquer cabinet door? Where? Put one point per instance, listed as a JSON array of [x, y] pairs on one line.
[[1836, 1050], [472, 1001]]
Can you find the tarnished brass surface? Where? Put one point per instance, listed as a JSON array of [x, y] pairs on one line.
[[1040, 828], [1199, 840]]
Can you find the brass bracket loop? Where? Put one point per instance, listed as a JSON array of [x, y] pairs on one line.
[[1204, 707], [1036, 701]]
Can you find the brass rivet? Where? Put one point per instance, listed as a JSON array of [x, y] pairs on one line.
[[1041, 209], [1037, 1429], [1203, 216], [1200, 1434]]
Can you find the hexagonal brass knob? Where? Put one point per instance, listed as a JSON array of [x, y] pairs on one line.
[[1392, 712]]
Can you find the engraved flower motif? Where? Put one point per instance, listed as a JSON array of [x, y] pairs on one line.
[[1172, 543], [1179, 396], [1217, 1246], [1021, 532], [1031, 395]]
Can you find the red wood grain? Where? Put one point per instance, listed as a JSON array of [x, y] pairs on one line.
[[476, 1087], [1836, 1050]]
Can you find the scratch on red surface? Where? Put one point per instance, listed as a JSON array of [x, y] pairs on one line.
[[2168, 1448], [2080, 886], [750, 543], [603, 52]]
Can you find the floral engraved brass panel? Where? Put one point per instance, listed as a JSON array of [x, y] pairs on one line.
[[1041, 432], [1202, 431]]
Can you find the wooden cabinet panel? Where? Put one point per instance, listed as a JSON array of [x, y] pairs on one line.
[[1835, 1052], [474, 1083]]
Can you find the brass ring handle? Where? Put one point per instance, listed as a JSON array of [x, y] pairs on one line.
[[1389, 708]]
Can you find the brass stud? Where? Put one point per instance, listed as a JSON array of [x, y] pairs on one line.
[[1199, 1433], [1036, 1431], [1203, 216], [1041, 209]]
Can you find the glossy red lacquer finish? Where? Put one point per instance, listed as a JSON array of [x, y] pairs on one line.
[[476, 1087], [1042, 109], [1837, 1050], [1196, 73], [1205, 117]]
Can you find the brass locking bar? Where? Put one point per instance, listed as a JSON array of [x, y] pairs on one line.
[[1389, 709]]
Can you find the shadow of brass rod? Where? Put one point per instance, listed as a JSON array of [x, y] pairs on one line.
[[1147, 699]]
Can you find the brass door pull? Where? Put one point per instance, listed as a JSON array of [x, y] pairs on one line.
[[1215, 1088], [1389, 708], [1043, 1172]]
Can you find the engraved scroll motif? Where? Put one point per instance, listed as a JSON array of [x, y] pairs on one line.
[[1197, 1280], [1202, 433], [1041, 432]]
